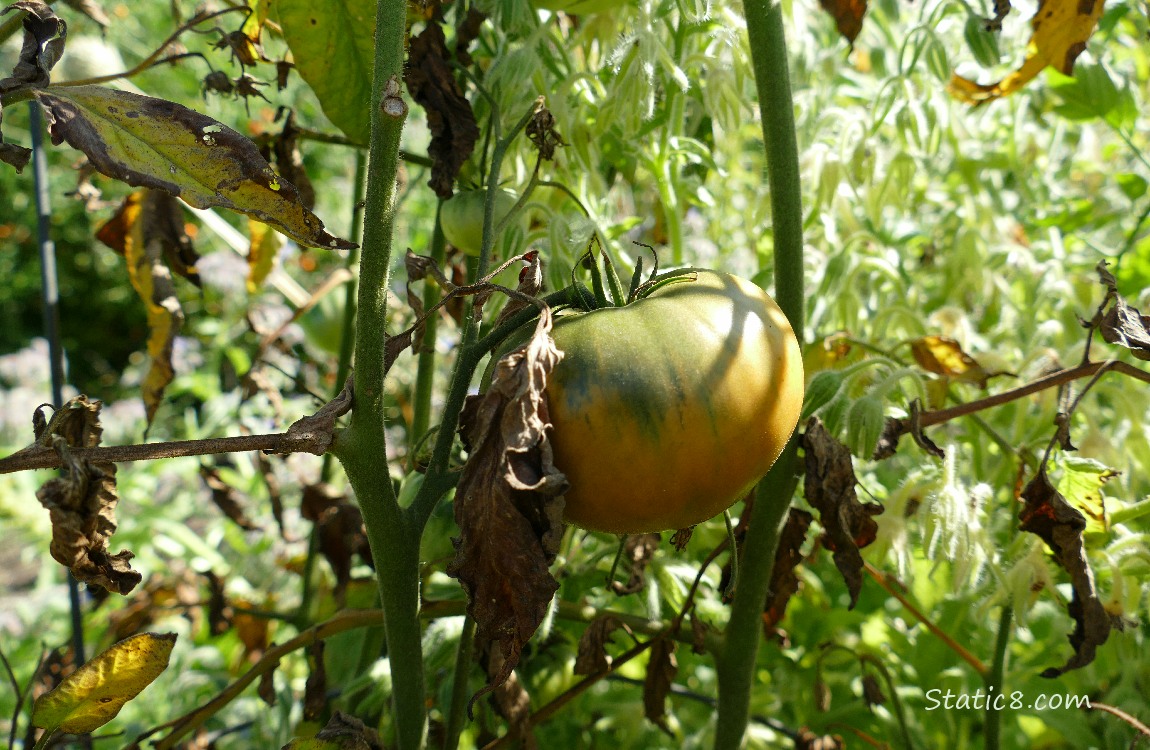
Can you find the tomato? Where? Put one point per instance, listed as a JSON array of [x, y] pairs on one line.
[[462, 217], [323, 323], [668, 410]]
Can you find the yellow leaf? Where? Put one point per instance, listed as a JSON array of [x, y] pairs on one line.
[[91, 696], [944, 356], [265, 245], [1061, 28]]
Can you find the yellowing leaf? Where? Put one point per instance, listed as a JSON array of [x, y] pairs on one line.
[[91, 696], [158, 144], [134, 232], [1081, 485], [265, 245], [1061, 28], [944, 356]]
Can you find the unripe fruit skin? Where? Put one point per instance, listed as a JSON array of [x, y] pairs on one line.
[[668, 411], [462, 217]]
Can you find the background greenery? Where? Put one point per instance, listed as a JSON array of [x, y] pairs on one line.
[[922, 217]]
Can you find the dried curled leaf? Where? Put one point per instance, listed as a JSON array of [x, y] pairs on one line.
[[341, 530], [1047, 514], [661, 670], [830, 488], [848, 15], [44, 37], [508, 503], [784, 582], [82, 501], [91, 696], [638, 551], [1121, 324], [511, 700], [141, 231], [1060, 30], [315, 689], [158, 144], [227, 498], [431, 81], [592, 656]]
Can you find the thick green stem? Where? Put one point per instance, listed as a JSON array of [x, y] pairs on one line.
[[362, 447], [993, 730], [736, 662]]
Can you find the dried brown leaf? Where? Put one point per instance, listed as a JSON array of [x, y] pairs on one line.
[[592, 656], [784, 582], [467, 32], [44, 37], [220, 613], [342, 533], [431, 81], [92, 10], [274, 495], [267, 687], [1047, 514], [830, 488], [511, 700], [661, 671], [944, 356], [872, 691], [808, 740], [508, 502], [681, 537], [848, 15], [315, 689], [638, 551], [82, 502], [289, 162], [227, 498], [1127, 327], [343, 732]]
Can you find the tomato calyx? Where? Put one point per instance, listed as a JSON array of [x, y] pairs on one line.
[[605, 279]]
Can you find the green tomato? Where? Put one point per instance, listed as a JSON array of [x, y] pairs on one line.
[[462, 217], [323, 323], [669, 410]]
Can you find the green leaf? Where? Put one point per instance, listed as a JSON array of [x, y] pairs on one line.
[[333, 43], [159, 144], [1132, 186], [91, 696], [1091, 94]]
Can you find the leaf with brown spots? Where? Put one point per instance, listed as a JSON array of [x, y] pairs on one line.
[[508, 502], [784, 582], [830, 488], [661, 671], [431, 81], [1047, 514], [848, 15], [158, 144], [82, 502], [1060, 31], [137, 232]]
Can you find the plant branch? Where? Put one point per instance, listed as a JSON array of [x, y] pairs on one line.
[[180, 727], [938, 632], [1115, 711]]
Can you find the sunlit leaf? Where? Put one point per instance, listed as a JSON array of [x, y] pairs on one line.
[[159, 144], [1091, 94], [91, 696], [265, 245], [333, 46], [944, 356], [1081, 485], [1060, 30]]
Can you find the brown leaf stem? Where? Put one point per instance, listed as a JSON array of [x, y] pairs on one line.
[[938, 632], [1115, 711]]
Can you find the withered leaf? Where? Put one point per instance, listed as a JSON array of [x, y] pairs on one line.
[[227, 498], [154, 143], [661, 671], [137, 232], [872, 691], [944, 356], [44, 37], [592, 656], [342, 732], [784, 582], [1060, 30], [830, 488], [510, 699], [808, 740], [638, 551], [82, 503], [289, 161], [16, 156], [274, 495], [431, 81], [466, 32], [342, 534], [1047, 514], [315, 689], [92, 10], [267, 687], [163, 221], [1126, 326], [220, 613], [508, 502], [848, 15]]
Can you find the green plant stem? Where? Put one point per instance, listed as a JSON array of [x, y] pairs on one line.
[[361, 448], [993, 731], [425, 369], [458, 709], [736, 661]]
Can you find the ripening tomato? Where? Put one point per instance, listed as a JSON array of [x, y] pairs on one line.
[[668, 410]]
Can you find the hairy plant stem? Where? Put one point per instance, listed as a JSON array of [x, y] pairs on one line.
[[737, 658], [362, 448], [993, 729]]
